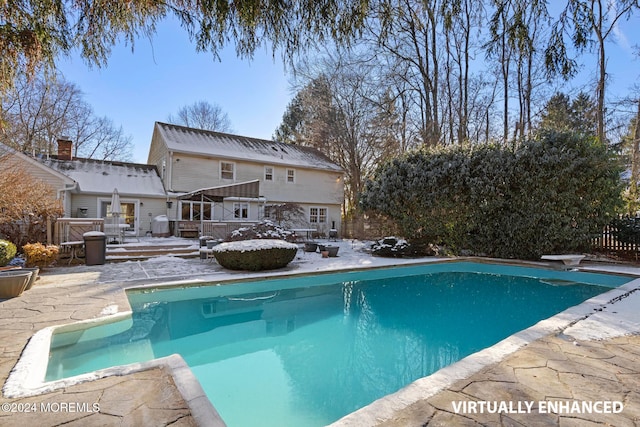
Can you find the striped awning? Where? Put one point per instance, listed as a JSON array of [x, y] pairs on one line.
[[248, 190]]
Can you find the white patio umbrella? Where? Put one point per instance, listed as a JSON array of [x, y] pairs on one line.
[[115, 204]]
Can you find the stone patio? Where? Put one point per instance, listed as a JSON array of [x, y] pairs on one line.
[[555, 367], [552, 369]]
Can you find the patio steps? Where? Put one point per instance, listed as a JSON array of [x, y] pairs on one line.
[[133, 252]]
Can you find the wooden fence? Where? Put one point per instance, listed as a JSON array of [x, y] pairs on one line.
[[607, 242], [368, 228]]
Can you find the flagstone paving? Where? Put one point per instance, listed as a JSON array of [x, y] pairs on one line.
[[555, 368], [550, 369]]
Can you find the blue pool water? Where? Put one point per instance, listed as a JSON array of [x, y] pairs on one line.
[[307, 351]]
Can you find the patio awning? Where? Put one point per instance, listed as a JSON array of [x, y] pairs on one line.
[[248, 189]]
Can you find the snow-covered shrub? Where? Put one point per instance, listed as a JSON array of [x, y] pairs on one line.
[[7, 252], [393, 247], [255, 255], [263, 230]]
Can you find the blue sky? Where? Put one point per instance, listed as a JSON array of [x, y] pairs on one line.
[[160, 76]]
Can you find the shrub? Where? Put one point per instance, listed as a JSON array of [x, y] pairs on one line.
[[26, 203], [255, 255], [263, 230], [549, 195], [626, 230], [7, 252], [39, 255], [392, 247]]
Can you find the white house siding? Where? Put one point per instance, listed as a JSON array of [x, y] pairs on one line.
[[39, 172], [192, 173], [86, 201], [310, 186], [158, 156], [149, 209], [146, 208], [193, 157], [56, 181]]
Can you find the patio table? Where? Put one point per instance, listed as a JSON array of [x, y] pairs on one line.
[[304, 230]]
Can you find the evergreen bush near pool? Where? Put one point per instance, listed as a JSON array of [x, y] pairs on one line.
[[255, 255], [552, 194]]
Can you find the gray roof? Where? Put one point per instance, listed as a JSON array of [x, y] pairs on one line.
[[101, 177], [208, 143]]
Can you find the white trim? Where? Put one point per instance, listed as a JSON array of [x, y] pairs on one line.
[[220, 171], [136, 210], [273, 173], [286, 178], [181, 203], [326, 215], [233, 209]]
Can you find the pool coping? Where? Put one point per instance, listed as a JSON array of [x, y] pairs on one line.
[[204, 411]]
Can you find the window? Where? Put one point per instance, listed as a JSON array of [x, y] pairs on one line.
[[241, 210], [291, 175], [195, 211], [268, 173], [227, 170], [318, 215], [270, 212]]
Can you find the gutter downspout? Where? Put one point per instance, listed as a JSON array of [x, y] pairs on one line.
[[170, 172]]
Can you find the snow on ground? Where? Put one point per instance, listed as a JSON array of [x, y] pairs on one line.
[[352, 254]]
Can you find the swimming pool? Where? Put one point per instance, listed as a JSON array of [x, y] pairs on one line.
[[310, 349]]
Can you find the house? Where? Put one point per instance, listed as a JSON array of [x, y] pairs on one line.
[[142, 195], [204, 182], [220, 179], [85, 186]]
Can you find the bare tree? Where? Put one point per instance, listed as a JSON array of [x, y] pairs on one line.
[[202, 115], [34, 113], [343, 111], [583, 20]]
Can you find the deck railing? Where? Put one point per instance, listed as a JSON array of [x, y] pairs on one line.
[[215, 229], [72, 229]]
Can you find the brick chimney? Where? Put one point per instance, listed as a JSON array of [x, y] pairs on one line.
[[65, 146]]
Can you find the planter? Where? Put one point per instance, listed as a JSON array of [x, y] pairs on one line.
[[34, 276], [322, 247], [310, 247], [333, 250], [325, 254], [13, 283]]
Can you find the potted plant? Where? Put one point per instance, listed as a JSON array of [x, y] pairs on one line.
[[13, 282], [34, 276], [310, 246], [333, 250]]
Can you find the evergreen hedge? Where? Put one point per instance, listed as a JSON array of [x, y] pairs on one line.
[[552, 194]]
